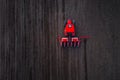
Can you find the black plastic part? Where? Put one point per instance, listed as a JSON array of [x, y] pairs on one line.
[[65, 22]]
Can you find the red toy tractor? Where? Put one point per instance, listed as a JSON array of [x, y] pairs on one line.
[[70, 39]]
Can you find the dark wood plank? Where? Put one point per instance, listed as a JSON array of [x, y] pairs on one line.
[[29, 49]]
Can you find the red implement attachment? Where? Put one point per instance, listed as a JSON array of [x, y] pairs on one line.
[[69, 42], [84, 37], [75, 42], [64, 42]]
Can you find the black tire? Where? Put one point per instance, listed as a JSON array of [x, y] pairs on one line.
[[65, 22], [73, 21]]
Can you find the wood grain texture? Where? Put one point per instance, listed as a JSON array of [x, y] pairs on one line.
[[29, 49]]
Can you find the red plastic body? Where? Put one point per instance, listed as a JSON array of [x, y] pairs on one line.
[[69, 28]]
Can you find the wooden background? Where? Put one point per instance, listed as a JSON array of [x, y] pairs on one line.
[[29, 49]]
